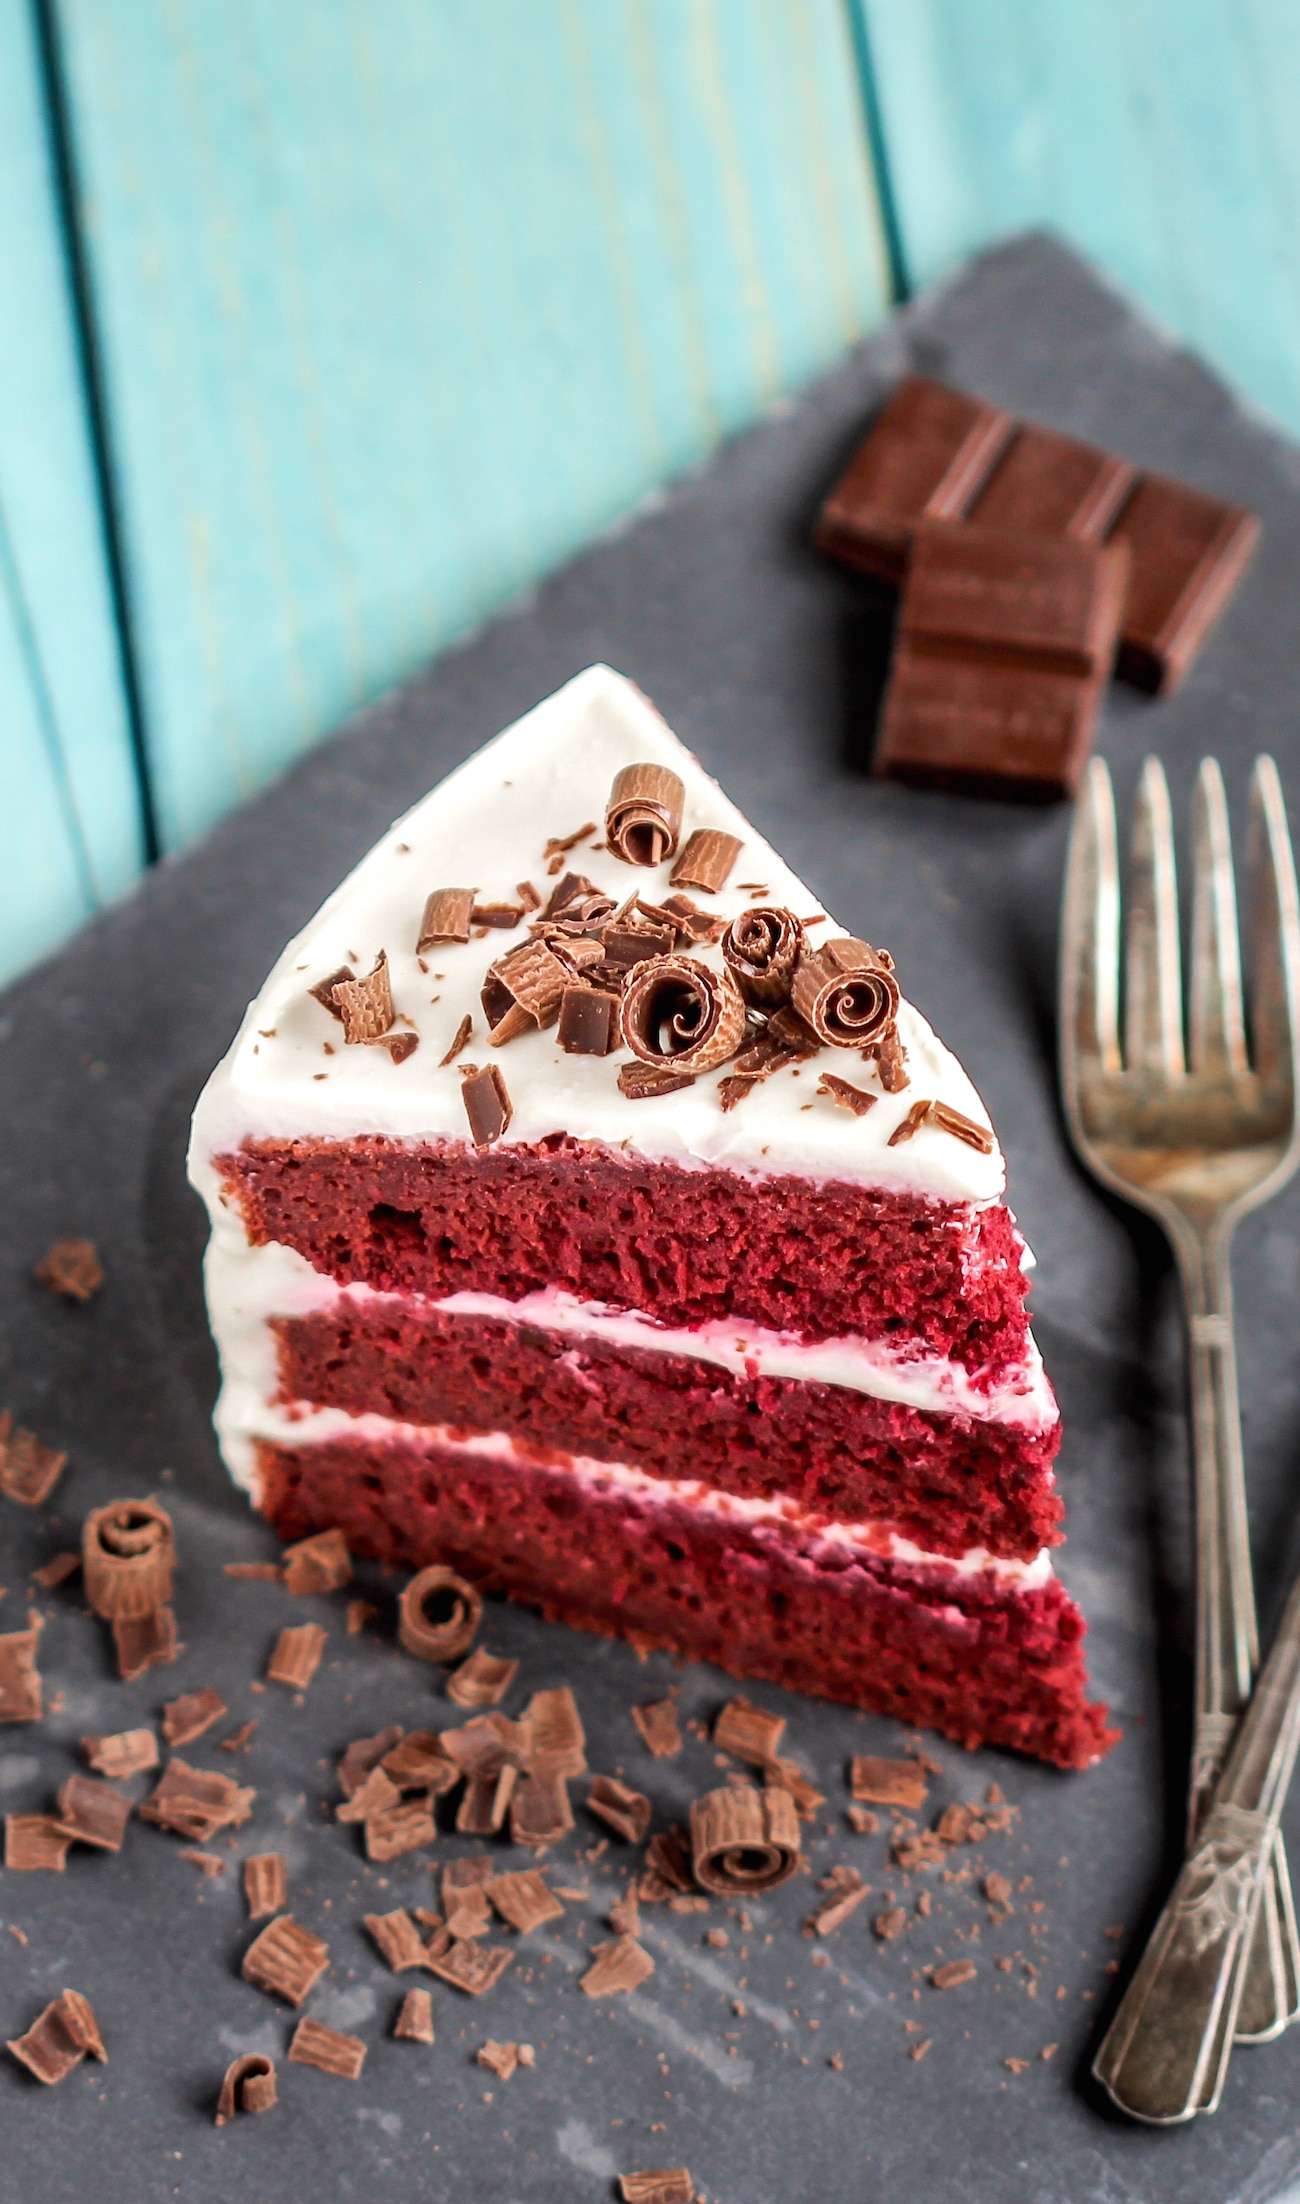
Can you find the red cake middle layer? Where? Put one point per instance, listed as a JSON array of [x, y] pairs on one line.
[[947, 1482]]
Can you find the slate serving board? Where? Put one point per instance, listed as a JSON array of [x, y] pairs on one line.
[[766, 661]]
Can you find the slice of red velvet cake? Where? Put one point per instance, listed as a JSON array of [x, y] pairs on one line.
[[590, 1212]]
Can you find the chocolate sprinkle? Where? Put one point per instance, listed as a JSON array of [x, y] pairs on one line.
[[706, 861], [28, 1470], [666, 2185], [313, 2044], [249, 2086], [888, 1782], [129, 1557], [36, 1841], [414, 2022], [94, 1813], [620, 1964], [319, 1564], [266, 1883], [523, 1900], [446, 917], [297, 1656], [846, 1094], [846, 992], [744, 1840], [645, 1082], [487, 1105], [658, 1725], [286, 1960], [463, 1032], [64, 2035], [20, 1684], [679, 1014], [126, 1752], [643, 817], [588, 1021], [627, 1812], [186, 1718], [72, 1269], [459, 1610]]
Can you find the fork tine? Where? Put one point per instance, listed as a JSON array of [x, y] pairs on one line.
[[1275, 929], [1090, 933], [1153, 1012], [1217, 1031]]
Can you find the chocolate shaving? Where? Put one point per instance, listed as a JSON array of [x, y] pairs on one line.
[[522, 991], [913, 1851], [668, 1855], [503, 917], [761, 949], [577, 901], [239, 1739], [414, 2022], [73, 1269], [849, 1892], [143, 1642], [209, 1864], [463, 1032], [487, 1104], [588, 1021], [961, 1127], [890, 1923], [483, 1808], [446, 1633], [420, 1764], [399, 1829], [748, 1732], [195, 1803], [523, 1900], [658, 1726], [693, 925], [28, 1471], [357, 1614], [630, 941], [254, 1572], [787, 1775], [63, 2036], [297, 1656], [186, 1718], [323, 991], [706, 860], [528, 895], [644, 1082], [471, 1967], [20, 1684], [266, 1883], [363, 1754], [398, 1939], [744, 1840], [555, 1729], [620, 1964], [678, 1014], [374, 1796], [318, 1564], [36, 1841], [465, 1906], [627, 1812], [846, 992], [951, 1976], [446, 917], [249, 2086], [732, 1091], [399, 1045], [313, 2044], [286, 1960], [643, 818], [540, 1812], [959, 1824], [664, 2185], [997, 1890], [365, 1005], [557, 844], [129, 1557], [56, 1571], [94, 1813], [846, 1094], [126, 1752], [481, 1681], [888, 1782], [625, 1915], [890, 1059]]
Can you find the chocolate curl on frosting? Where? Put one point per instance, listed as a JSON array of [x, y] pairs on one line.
[[846, 991], [679, 1013], [128, 1558], [643, 818], [706, 860], [523, 991], [761, 949], [446, 1634], [366, 1005], [744, 1840]]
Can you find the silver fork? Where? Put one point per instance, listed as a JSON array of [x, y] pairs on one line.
[[1195, 1144]]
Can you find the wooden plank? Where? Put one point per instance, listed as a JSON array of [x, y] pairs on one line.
[[403, 299], [1157, 135], [69, 806]]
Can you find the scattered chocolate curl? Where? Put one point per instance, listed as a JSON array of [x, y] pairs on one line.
[[706, 861], [643, 818], [678, 1013], [365, 1005], [444, 1640], [744, 1840], [761, 948], [846, 991], [523, 991], [249, 2086], [128, 1557]]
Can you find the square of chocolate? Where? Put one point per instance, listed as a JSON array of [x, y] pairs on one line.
[[1054, 485], [1187, 553], [1034, 599], [986, 729], [926, 456]]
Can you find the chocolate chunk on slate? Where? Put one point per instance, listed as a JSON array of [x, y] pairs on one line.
[[126, 1752], [471, 1967], [523, 1900], [481, 1681], [986, 730], [56, 1571], [446, 917], [1048, 484], [129, 1557], [28, 1470], [256, 1572], [249, 2086], [748, 1732], [487, 1105], [35, 1841], [502, 2059], [266, 1884], [846, 1094], [363, 1754], [951, 1976], [706, 861], [398, 1939], [420, 1764], [414, 2022], [620, 1964], [73, 1269], [399, 1829], [20, 1685], [663, 2185], [846, 1898], [657, 1723], [555, 1729], [66, 2033], [626, 1812], [186, 1718], [540, 1812], [888, 1782], [319, 1564], [194, 1803], [297, 1656], [312, 2044], [438, 1614], [94, 1813], [645, 1082], [143, 1642], [1188, 552], [927, 456], [588, 1021], [286, 1960]]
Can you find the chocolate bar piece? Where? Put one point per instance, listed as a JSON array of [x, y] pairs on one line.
[[1054, 485], [1188, 552], [926, 457], [1032, 600], [986, 729]]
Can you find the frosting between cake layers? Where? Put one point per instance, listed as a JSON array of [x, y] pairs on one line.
[[288, 1076]]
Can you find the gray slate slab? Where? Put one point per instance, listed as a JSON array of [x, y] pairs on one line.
[[764, 660]]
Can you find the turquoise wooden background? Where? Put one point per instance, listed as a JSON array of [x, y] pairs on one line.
[[394, 302]]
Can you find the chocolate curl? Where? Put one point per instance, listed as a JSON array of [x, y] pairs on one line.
[[744, 1840], [487, 1105], [890, 1059], [578, 902], [365, 1005], [680, 1015], [446, 917], [643, 817], [461, 1610], [249, 2086], [522, 992], [706, 861], [846, 991], [761, 949], [128, 1557]]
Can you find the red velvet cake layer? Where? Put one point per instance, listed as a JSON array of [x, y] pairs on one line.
[[820, 1260], [946, 1482], [979, 1662]]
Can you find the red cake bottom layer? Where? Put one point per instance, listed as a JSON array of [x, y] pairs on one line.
[[980, 1660]]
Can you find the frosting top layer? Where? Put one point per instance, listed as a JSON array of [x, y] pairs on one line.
[[289, 1075]]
